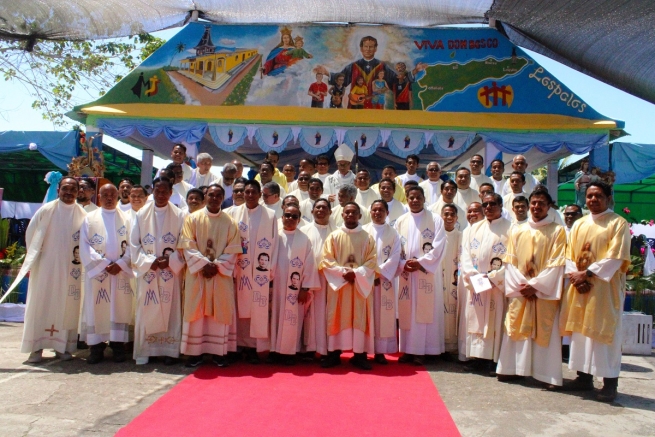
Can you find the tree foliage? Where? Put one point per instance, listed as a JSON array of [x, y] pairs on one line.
[[56, 72]]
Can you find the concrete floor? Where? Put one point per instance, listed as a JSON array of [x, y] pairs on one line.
[[71, 398]]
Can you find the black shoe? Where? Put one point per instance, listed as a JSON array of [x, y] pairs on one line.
[[360, 361], [272, 358], [492, 369], [566, 350], [81, 344], [406, 358], [288, 360], [193, 361], [609, 391], [169, 361], [252, 357], [584, 382], [233, 357], [220, 360], [332, 359], [509, 378], [419, 360], [475, 365], [97, 354], [380, 359], [118, 351]]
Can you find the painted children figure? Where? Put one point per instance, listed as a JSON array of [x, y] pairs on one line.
[[402, 91], [358, 94], [380, 89], [318, 90], [337, 91], [299, 52]]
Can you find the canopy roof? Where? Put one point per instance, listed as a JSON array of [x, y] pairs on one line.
[[248, 89], [610, 40]]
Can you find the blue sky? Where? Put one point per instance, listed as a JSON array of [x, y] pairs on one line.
[[639, 116]]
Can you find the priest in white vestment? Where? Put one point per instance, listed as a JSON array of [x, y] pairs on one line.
[[520, 164], [497, 178], [476, 164], [124, 189], [450, 270], [420, 296], [178, 156], [485, 241], [432, 185], [597, 258], [202, 175], [388, 189], [159, 267], [365, 194], [343, 176], [347, 193], [109, 297], [254, 271], [387, 243], [53, 294], [411, 164], [349, 262], [301, 186], [532, 280], [315, 190], [315, 324], [465, 194], [296, 280], [210, 240], [448, 193]]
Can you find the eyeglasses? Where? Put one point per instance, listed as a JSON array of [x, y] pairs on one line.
[[304, 178], [238, 191], [433, 169], [291, 216], [489, 204]]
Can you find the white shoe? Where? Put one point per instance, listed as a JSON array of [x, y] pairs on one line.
[[141, 361], [35, 357], [66, 356]]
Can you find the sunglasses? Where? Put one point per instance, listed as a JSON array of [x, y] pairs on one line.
[[489, 204], [291, 216], [303, 179]]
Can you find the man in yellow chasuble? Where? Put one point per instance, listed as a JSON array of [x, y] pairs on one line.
[[597, 257]]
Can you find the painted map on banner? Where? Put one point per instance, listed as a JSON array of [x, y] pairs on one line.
[[470, 70]]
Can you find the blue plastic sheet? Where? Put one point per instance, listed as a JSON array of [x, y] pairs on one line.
[[58, 147]]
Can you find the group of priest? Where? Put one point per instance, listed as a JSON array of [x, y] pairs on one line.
[[481, 268]]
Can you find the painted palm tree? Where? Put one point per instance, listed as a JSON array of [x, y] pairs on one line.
[[178, 49]]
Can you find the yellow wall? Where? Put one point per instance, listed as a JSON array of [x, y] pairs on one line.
[[216, 62]]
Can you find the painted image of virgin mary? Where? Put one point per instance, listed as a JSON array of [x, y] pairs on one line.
[[280, 57]]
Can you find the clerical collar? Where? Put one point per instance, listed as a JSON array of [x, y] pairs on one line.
[[595, 216], [545, 221], [161, 208], [351, 231], [66, 205], [108, 211], [375, 225], [320, 226], [491, 222], [416, 214], [289, 232], [463, 190], [453, 229], [437, 182], [252, 209], [211, 214]]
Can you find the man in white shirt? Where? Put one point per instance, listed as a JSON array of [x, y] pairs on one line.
[[411, 163], [124, 188], [388, 189], [202, 175], [477, 177], [497, 179], [86, 193], [465, 194], [432, 186], [520, 164], [271, 197], [516, 184], [322, 168], [178, 155], [365, 195]]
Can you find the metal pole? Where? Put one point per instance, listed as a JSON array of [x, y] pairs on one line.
[[146, 166]]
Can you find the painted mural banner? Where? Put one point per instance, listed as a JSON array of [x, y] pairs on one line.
[[319, 74]]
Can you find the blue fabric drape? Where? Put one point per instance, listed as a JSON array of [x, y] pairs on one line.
[[177, 132], [58, 147], [630, 162], [577, 143]]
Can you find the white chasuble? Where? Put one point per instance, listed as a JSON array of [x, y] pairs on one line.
[[155, 232], [387, 243], [396, 209], [209, 306], [465, 197], [296, 269], [350, 305], [484, 312], [432, 191], [254, 271], [108, 300], [532, 345], [450, 278], [420, 297], [338, 218], [315, 324], [53, 295], [366, 198]]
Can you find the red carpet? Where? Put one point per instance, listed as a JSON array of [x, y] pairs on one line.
[[302, 400]]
